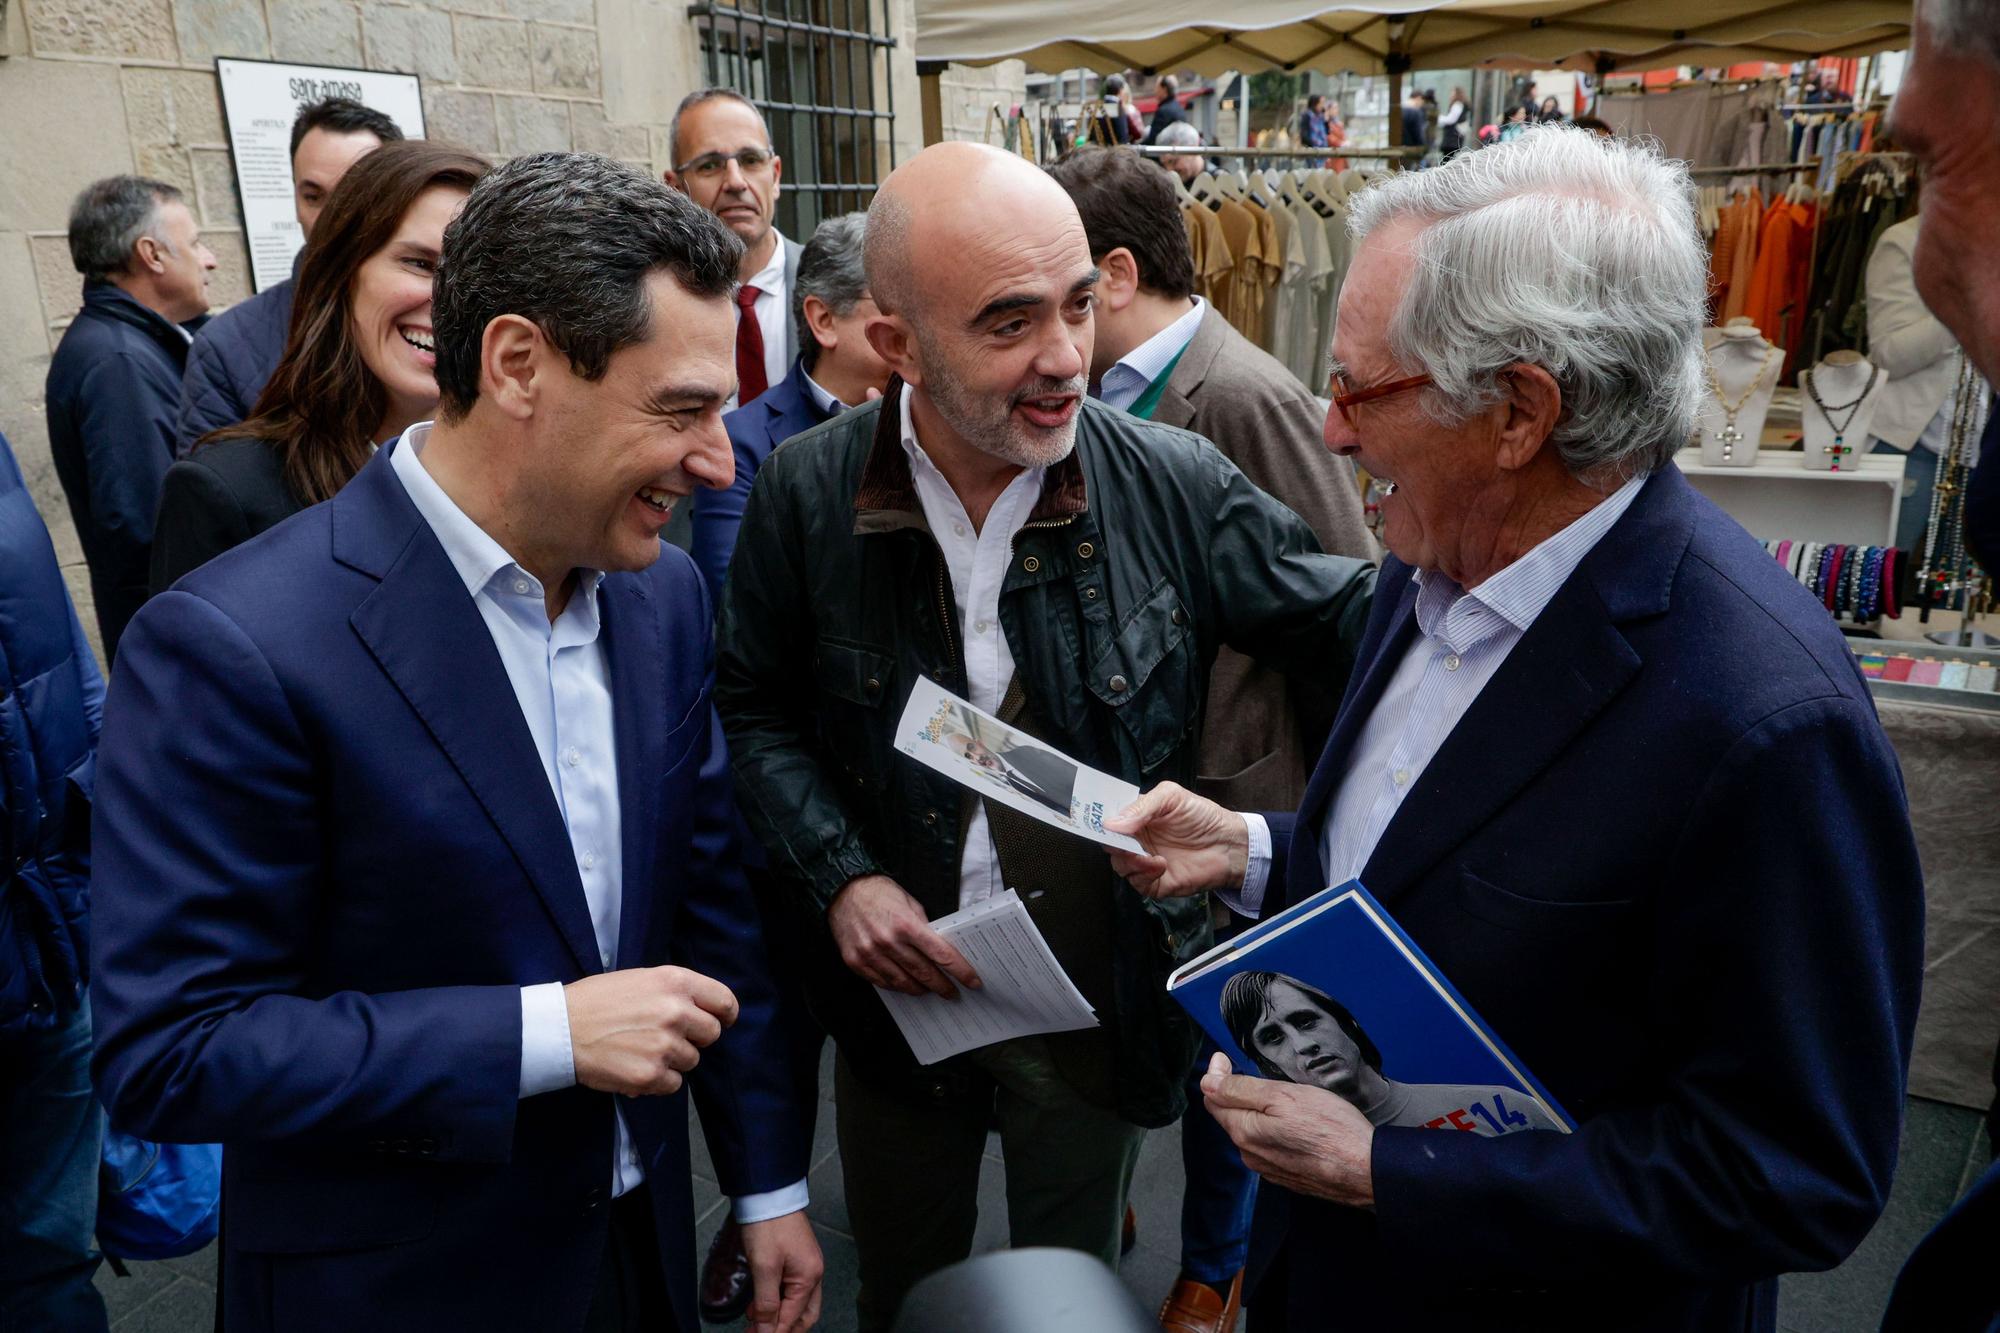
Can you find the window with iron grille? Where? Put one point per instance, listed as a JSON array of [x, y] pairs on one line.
[[819, 71]]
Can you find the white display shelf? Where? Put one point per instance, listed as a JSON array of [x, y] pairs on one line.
[[1780, 498]]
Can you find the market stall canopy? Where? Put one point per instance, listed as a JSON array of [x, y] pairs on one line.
[[1369, 38]]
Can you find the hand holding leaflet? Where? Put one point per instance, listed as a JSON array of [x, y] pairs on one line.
[[1024, 989]]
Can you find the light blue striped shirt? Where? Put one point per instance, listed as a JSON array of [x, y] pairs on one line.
[[1124, 382], [1463, 637]]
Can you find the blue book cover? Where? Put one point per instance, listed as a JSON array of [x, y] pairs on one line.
[[1332, 993]]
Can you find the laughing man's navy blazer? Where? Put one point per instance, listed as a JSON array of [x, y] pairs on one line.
[[1666, 854], [327, 860]]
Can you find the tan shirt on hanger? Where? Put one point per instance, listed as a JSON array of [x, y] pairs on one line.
[[1212, 261]]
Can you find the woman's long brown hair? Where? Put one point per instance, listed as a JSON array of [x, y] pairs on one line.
[[323, 405]]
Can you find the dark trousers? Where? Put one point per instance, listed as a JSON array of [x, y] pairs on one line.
[[631, 1292], [51, 1132], [911, 1168]]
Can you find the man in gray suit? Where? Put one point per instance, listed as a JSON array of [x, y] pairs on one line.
[[724, 161], [1164, 353]]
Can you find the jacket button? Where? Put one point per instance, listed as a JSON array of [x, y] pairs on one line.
[[593, 1199], [1090, 594], [931, 818], [378, 1145], [1179, 617], [1116, 684], [428, 1147], [1173, 944], [1032, 563], [1085, 550], [873, 685], [402, 1147]]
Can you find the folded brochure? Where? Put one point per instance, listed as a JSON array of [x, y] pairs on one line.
[[1332, 993], [1001, 763]]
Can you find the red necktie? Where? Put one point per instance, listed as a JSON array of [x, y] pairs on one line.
[[750, 379]]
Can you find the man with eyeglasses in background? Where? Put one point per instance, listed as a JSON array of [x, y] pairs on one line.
[[723, 160]]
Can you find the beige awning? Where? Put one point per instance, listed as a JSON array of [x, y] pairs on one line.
[[1214, 36]]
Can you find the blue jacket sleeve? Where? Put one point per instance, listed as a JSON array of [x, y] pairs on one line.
[[1982, 506], [206, 887], [743, 1085], [125, 421], [718, 515], [1785, 975], [209, 398]]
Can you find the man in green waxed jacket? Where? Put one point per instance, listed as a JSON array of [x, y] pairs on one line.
[[1065, 566]]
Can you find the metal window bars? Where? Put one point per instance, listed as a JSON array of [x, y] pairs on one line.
[[819, 72]]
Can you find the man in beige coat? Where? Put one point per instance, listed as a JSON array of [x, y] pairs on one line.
[[1163, 353]]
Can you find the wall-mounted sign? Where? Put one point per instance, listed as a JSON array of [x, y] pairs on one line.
[[260, 99]]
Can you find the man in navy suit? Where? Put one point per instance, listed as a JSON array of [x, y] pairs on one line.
[[415, 877], [1609, 766]]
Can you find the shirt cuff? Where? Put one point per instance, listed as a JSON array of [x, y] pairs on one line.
[[778, 1203], [547, 1062], [1248, 901]]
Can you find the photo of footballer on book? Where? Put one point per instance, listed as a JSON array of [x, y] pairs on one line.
[[1332, 993]]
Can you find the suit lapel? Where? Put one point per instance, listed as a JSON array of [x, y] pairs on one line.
[[1382, 650], [634, 651], [1176, 405], [1573, 661], [430, 640]]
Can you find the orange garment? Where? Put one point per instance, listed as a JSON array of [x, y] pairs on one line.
[[1240, 293], [1209, 250], [1743, 261], [1770, 297]]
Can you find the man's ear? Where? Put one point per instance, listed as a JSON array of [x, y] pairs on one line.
[[1532, 407], [896, 343], [820, 320], [514, 355], [1117, 279], [146, 254]]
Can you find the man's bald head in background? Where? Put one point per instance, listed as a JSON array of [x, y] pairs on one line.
[[982, 270]]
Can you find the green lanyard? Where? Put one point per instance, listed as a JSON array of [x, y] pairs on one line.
[[1147, 401]]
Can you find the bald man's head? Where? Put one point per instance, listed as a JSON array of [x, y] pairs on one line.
[[982, 270]]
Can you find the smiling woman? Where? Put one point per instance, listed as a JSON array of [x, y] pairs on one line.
[[359, 362]]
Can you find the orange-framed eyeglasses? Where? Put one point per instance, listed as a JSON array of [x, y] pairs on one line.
[[1347, 399]]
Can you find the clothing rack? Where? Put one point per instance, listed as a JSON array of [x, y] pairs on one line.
[[1767, 169], [1315, 154]]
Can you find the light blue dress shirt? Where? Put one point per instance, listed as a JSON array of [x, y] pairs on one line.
[[562, 682], [1123, 383], [1463, 635]]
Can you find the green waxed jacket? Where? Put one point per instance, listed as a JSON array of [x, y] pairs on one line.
[[1146, 551]]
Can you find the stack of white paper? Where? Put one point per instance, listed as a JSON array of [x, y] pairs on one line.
[[1023, 990]]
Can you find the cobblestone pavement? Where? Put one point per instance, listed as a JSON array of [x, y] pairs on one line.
[[1944, 1149]]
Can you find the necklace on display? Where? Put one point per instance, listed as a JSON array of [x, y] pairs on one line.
[[1840, 448], [1732, 435]]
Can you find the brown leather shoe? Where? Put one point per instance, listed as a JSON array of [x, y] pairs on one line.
[[725, 1277], [1193, 1307]]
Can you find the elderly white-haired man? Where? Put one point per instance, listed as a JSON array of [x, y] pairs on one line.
[[1609, 765]]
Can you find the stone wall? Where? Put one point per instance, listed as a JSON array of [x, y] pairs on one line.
[[91, 88], [967, 95]]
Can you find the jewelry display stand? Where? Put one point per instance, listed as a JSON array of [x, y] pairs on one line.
[[1840, 397], [1742, 376]]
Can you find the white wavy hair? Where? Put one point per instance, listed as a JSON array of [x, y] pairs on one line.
[[1965, 24], [1565, 250]]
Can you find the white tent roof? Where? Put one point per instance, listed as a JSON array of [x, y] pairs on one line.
[[1210, 38]]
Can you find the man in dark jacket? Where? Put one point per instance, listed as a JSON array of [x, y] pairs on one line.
[[1169, 110], [116, 377], [1062, 565], [233, 357], [50, 698]]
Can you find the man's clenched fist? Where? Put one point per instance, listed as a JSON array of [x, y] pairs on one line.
[[639, 1030]]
